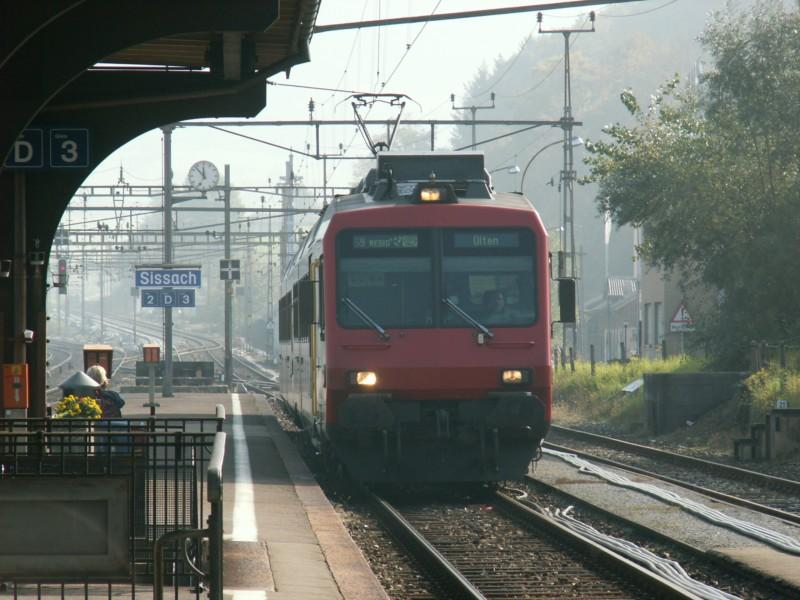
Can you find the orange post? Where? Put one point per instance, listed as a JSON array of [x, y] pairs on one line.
[[15, 386], [151, 353], [98, 354]]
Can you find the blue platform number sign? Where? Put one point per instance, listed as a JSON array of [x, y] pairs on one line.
[[168, 298], [27, 151], [184, 298], [151, 299], [69, 148]]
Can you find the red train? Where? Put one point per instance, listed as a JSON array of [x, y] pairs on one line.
[[415, 325]]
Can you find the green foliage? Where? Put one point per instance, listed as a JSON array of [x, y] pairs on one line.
[[636, 53], [600, 397], [712, 174], [766, 386]]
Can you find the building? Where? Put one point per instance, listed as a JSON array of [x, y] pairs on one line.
[[613, 319]]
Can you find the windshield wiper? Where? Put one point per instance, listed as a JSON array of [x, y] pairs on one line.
[[469, 319], [366, 318]]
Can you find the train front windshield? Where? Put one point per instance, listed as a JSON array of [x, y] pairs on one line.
[[399, 278]]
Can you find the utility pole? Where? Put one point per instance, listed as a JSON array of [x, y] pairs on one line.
[[287, 203], [58, 298], [228, 284], [166, 390], [270, 314], [84, 275], [248, 282], [135, 297], [568, 175], [19, 274], [66, 298], [473, 109], [102, 287]]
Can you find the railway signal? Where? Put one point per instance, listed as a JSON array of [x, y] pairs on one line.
[[229, 270], [63, 276]]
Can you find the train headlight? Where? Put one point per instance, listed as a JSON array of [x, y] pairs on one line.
[[430, 194], [515, 376], [364, 378]]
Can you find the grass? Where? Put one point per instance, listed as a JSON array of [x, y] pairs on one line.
[[768, 385], [580, 397]]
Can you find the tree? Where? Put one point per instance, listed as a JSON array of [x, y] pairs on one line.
[[633, 47], [712, 174]]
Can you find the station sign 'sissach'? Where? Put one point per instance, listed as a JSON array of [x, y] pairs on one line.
[[167, 277]]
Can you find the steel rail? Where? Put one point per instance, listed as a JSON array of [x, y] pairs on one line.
[[737, 472], [718, 559], [633, 572], [443, 569], [744, 503]]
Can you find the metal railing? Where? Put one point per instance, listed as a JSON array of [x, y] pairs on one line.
[[172, 469], [774, 354], [212, 576]]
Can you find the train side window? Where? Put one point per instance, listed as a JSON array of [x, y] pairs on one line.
[[296, 311], [305, 309], [284, 318]]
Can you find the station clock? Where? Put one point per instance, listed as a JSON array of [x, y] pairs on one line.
[[203, 176]]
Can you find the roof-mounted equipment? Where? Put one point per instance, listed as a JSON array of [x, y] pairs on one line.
[[367, 101]]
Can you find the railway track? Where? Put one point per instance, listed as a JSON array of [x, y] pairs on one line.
[[61, 358], [411, 568], [59, 361], [247, 372], [775, 496], [500, 548]]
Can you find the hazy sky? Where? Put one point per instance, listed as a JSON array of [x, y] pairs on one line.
[[442, 57]]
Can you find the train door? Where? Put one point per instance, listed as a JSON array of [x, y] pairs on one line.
[[315, 277], [296, 365]]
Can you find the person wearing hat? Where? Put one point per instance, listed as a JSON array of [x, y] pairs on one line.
[[110, 402]]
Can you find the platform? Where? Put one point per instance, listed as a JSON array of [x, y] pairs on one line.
[[674, 522], [283, 539]]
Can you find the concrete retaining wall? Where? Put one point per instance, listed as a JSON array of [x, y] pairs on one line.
[[671, 399], [777, 437], [783, 432]]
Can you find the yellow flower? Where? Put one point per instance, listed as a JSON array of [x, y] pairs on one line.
[[71, 406]]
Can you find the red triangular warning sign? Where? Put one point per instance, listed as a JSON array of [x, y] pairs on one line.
[[681, 320]]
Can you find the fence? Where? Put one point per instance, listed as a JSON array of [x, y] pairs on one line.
[[765, 354], [183, 373], [111, 508]]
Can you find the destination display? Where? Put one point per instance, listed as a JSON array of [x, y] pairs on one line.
[[148, 277], [385, 241], [486, 239]]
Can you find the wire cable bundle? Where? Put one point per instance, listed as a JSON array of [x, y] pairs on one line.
[[758, 532]]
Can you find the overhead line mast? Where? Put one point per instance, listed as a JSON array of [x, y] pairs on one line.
[[568, 175]]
